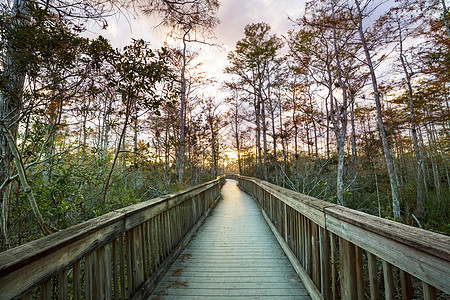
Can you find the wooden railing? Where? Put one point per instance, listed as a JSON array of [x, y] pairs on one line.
[[341, 253], [120, 255]]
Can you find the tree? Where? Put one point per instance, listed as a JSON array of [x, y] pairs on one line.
[[139, 69], [187, 19], [252, 61], [236, 118], [359, 17]]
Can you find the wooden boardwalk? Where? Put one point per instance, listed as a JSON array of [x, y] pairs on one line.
[[233, 255]]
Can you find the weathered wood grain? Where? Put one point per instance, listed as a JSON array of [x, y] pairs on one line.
[[28, 266], [422, 264], [234, 254]]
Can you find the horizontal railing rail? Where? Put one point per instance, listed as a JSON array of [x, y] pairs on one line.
[[341, 253], [120, 255]]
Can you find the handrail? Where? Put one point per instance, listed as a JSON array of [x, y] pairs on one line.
[[341, 253], [119, 255]]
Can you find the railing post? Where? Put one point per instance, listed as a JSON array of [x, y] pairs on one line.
[[373, 275], [325, 263], [334, 264], [285, 223], [405, 281], [389, 289], [429, 292], [359, 272], [348, 270]]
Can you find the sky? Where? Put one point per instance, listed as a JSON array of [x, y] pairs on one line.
[[233, 14]]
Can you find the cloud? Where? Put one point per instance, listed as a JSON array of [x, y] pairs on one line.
[[235, 14]]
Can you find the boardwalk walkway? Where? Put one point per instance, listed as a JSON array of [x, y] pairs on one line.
[[233, 255]]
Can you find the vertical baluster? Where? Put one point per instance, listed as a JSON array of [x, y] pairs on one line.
[[46, 290], [389, 288], [325, 263], [359, 272], [99, 271], [144, 251], [130, 265], [107, 271], [164, 233], [334, 264], [89, 270], [115, 269], [137, 258], [348, 270], [160, 239], [302, 241], [315, 251], [155, 243], [122, 267], [308, 246], [373, 275], [28, 296], [150, 246], [77, 280], [285, 224], [405, 280], [297, 234], [429, 291]]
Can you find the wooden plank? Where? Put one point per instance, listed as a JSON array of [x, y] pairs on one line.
[[429, 292], [359, 272], [405, 281], [130, 262], [99, 274], [348, 269], [301, 272], [325, 275], [108, 281], [139, 213], [28, 296], [315, 251], [115, 270], [373, 275], [77, 280], [311, 207], [46, 290], [389, 289], [429, 268], [42, 267], [62, 285], [416, 238], [122, 267], [334, 266], [89, 273], [150, 284], [234, 255], [144, 242]]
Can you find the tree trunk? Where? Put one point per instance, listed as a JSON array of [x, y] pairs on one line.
[[121, 138], [13, 80], [387, 152], [23, 180], [258, 132], [352, 120], [264, 132], [434, 164], [236, 132], [274, 137], [181, 147], [420, 208], [338, 116], [446, 17]]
